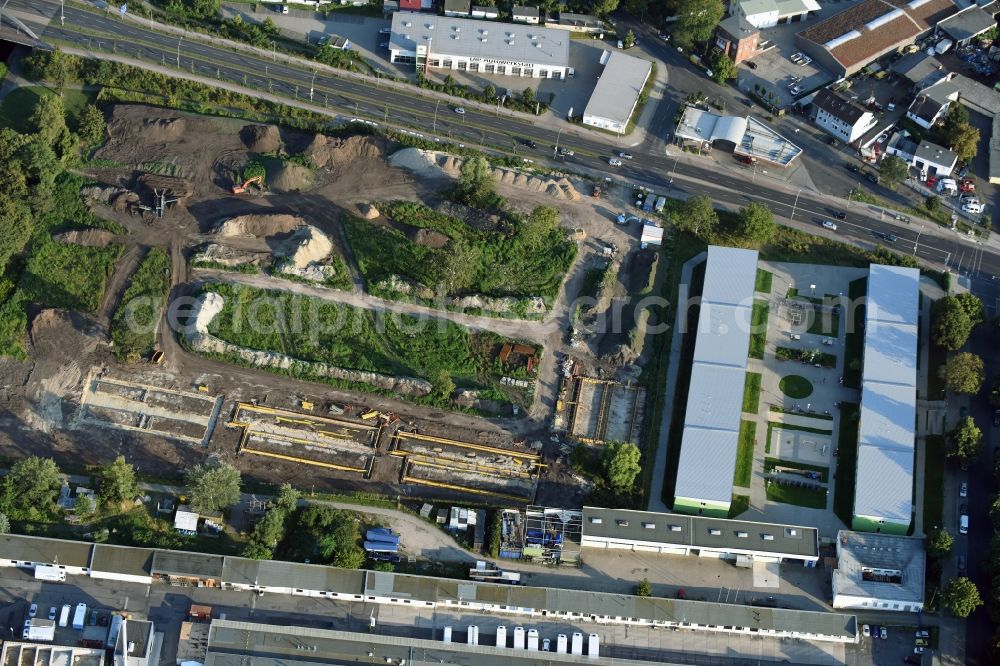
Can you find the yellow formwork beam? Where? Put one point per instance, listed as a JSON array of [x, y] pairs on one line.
[[416, 459], [464, 489], [304, 418], [467, 445], [304, 461]]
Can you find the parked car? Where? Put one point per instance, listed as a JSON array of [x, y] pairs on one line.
[[52, 612], [383, 45], [961, 568], [883, 633], [996, 418], [385, 31], [829, 225], [922, 633], [911, 659], [964, 171], [973, 208], [963, 490], [546, 644], [866, 630], [32, 610], [751, 64], [614, 161], [852, 168], [795, 90], [919, 650], [872, 177]]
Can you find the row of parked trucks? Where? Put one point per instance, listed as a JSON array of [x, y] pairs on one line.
[[528, 639]]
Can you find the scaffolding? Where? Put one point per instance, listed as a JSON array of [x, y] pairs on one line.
[[552, 535]]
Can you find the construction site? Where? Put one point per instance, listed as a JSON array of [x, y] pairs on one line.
[[603, 410]]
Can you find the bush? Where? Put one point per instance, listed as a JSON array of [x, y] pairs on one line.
[[133, 329]]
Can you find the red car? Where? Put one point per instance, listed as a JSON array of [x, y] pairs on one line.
[[967, 186], [931, 180]]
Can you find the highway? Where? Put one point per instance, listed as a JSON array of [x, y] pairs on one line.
[[99, 34]]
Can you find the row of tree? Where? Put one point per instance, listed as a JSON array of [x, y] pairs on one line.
[[755, 223]]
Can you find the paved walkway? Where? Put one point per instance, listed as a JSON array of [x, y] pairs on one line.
[[656, 502], [802, 420]]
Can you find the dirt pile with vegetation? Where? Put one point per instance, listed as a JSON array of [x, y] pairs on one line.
[[261, 139]]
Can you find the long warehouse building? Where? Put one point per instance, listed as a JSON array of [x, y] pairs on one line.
[[715, 393], [486, 47], [883, 498]]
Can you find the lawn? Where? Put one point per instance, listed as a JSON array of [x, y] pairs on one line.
[[17, 107], [825, 323], [813, 498], [795, 386], [934, 482], [71, 277], [758, 327], [739, 504], [744, 454], [763, 281], [751, 393], [854, 341], [133, 329], [824, 472], [847, 462]]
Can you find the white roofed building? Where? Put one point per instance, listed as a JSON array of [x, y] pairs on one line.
[[883, 496], [769, 13], [617, 91], [715, 392], [879, 572], [468, 45], [744, 136]]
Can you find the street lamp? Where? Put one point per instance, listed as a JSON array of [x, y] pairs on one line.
[[555, 149], [434, 126], [795, 204], [917, 241], [179, 52]]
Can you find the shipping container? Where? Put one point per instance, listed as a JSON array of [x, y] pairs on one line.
[[533, 639], [518, 638], [501, 636], [80, 617], [561, 643], [577, 645], [594, 646], [447, 635]]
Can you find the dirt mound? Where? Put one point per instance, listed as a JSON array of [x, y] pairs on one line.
[[336, 153], [162, 129], [306, 245], [290, 177], [259, 225], [429, 238], [86, 237], [261, 138], [368, 211], [213, 253]]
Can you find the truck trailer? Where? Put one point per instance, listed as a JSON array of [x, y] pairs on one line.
[[80, 617]]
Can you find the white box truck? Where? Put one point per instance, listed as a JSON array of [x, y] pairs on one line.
[[533, 639], [64, 615], [561, 643], [80, 616], [501, 636], [447, 635], [594, 646], [577, 646], [518, 638], [50, 573]]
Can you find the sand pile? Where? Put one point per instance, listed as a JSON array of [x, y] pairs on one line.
[[306, 245], [421, 161], [289, 177], [259, 225], [85, 237], [368, 211], [336, 153], [261, 138]]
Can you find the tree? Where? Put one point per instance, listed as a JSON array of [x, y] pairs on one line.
[[490, 92], [92, 126], [4, 523], [444, 385], [213, 486], [621, 465], [475, 182], [894, 170], [48, 119], [961, 597], [963, 373], [963, 141], [644, 589], [966, 440], [698, 216], [287, 498], [457, 264], [117, 482], [194, 8], [950, 323], [84, 506], [932, 203], [31, 487], [629, 40], [603, 7], [15, 220], [973, 307], [757, 223], [528, 96], [939, 543], [723, 69], [536, 230], [696, 19]]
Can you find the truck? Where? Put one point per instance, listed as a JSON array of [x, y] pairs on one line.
[[447, 635], [518, 638], [947, 186], [80, 616], [501, 636], [594, 646], [561, 642], [533, 639], [660, 203], [576, 647], [942, 47], [50, 573], [64, 615]]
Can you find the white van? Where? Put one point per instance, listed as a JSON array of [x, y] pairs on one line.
[[963, 524]]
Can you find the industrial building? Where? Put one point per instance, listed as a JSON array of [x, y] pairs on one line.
[[386, 588], [675, 534], [744, 136], [879, 572], [883, 497], [617, 91], [485, 47], [849, 40], [715, 392], [769, 13]]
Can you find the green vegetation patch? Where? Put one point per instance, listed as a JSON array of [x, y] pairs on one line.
[[68, 276], [522, 257], [825, 323], [740, 504], [847, 462], [744, 454], [751, 393], [823, 471], [813, 498], [795, 386], [18, 105], [807, 356], [133, 329], [758, 324], [763, 281]]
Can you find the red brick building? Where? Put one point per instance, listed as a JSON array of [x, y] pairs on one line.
[[737, 38]]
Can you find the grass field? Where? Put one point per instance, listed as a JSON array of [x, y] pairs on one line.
[[812, 498], [758, 324], [795, 386], [827, 323], [17, 106], [751, 393], [934, 459], [68, 276], [763, 281], [744, 454], [740, 503], [847, 462], [133, 329]]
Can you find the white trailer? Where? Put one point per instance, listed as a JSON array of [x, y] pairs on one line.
[[64, 615], [518, 638], [501, 636], [447, 635], [533, 639], [41, 630], [50, 573], [577, 645], [561, 643], [80, 617], [472, 637], [594, 646]]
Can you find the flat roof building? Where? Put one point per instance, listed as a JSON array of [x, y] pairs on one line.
[[968, 24], [743, 135], [715, 393], [484, 47], [879, 572], [676, 534], [883, 496], [16, 653], [617, 91], [579, 23]]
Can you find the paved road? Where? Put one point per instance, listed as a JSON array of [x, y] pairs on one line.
[[336, 93]]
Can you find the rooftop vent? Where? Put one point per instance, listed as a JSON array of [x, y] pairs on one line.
[[622, 523], [482, 39], [407, 24], [649, 526], [742, 535], [596, 521], [715, 532], [768, 537], [675, 528]]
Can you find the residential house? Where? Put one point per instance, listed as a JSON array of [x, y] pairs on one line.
[[934, 159], [522, 14], [579, 23], [902, 145], [840, 117], [932, 104], [968, 24], [457, 7], [737, 38]]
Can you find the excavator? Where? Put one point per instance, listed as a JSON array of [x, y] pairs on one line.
[[241, 188]]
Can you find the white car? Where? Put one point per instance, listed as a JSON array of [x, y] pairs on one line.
[[625, 156], [882, 633], [459, 110], [33, 610], [866, 630], [796, 90], [829, 225], [614, 161], [974, 208], [963, 490]]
